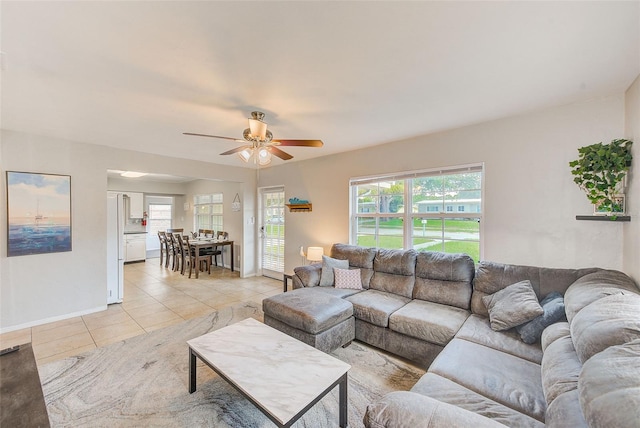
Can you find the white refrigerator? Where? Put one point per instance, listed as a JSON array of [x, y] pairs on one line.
[[115, 247]]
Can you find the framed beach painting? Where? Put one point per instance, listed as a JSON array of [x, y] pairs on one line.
[[38, 213]]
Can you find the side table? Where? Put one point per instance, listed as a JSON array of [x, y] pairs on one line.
[[285, 278]]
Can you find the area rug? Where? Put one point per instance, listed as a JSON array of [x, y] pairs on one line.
[[143, 382]]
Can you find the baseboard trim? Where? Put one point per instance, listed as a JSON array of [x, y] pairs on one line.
[[52, 319]]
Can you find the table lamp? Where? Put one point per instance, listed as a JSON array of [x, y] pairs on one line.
[[314, 254]]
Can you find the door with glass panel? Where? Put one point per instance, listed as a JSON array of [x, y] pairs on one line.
[[160, 209], [272, 231]]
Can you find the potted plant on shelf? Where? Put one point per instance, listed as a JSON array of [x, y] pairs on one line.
[[600, 171]]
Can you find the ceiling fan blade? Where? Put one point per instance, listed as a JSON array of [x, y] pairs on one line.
[[301, 143], [236, 150], [214, 136], [281, 154]]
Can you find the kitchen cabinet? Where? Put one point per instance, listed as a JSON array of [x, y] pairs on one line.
[[136, 205], [135, 247]]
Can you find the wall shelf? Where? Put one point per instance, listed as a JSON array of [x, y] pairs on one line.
[[603, 218], [295, 208]]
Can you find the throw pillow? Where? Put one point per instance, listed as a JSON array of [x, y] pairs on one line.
[[348, 278], [326, 276], [512, 306], [553, 306]]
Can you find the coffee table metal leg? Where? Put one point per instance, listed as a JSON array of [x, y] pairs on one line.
[[343, 401], [192, 372]]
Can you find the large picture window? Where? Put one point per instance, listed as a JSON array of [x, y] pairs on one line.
[[431, 210], [208, 212]]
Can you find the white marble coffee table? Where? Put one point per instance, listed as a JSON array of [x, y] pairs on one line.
[[280, 375]]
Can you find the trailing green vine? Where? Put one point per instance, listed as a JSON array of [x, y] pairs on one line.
[[599, 170]]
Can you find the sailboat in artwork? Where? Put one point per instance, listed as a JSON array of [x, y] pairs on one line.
[[39, 217]]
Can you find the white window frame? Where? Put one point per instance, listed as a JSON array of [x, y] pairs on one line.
[[216, 210], [408, 215]]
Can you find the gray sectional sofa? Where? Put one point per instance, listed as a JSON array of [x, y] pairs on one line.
[[429, 307]]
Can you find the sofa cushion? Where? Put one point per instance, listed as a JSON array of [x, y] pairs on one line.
[[307, 309], [595, 286], [501, 377], [403, 409], [328, 264], [309, 275], [428, 321], [444, 278], [443, 389], [609, 321], [553, 307], [560, 368], [476, 329], [512, 306], [375, 307], [337, 292], [359, 257], [394, 272], [491, 277], [609, 387], [565, 412], [553, 333]]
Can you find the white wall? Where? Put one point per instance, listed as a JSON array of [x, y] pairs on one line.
[[145, 186], [232, 220], [43, 288], [631, 263], [530, 198]]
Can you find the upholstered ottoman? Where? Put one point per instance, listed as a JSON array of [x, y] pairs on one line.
[[318, 319]]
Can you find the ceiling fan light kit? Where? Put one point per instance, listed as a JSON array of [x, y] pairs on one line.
[[257, 128], [261, 147], [245, 155]]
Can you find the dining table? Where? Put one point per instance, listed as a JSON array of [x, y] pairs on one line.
[[198, 244]]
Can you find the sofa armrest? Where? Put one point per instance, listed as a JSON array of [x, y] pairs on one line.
[[307, 276], [412, 410]]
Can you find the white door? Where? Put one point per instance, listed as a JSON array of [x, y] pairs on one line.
[[272, 231], [159, 209]]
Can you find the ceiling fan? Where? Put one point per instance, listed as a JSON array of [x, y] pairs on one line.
[[261, 144]]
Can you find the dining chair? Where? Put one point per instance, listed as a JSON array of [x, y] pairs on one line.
[[171, 254], [219, 250], [204, 258], [185, 254], [163, 247], [178, 261]]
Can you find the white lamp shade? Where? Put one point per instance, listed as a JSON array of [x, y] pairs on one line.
[[314, 254], [264, 156], [245, 155], [258, 129]]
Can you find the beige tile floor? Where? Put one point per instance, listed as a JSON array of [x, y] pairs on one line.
[[154, 297]]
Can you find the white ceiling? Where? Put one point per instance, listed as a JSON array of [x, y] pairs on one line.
[[135, 75]]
